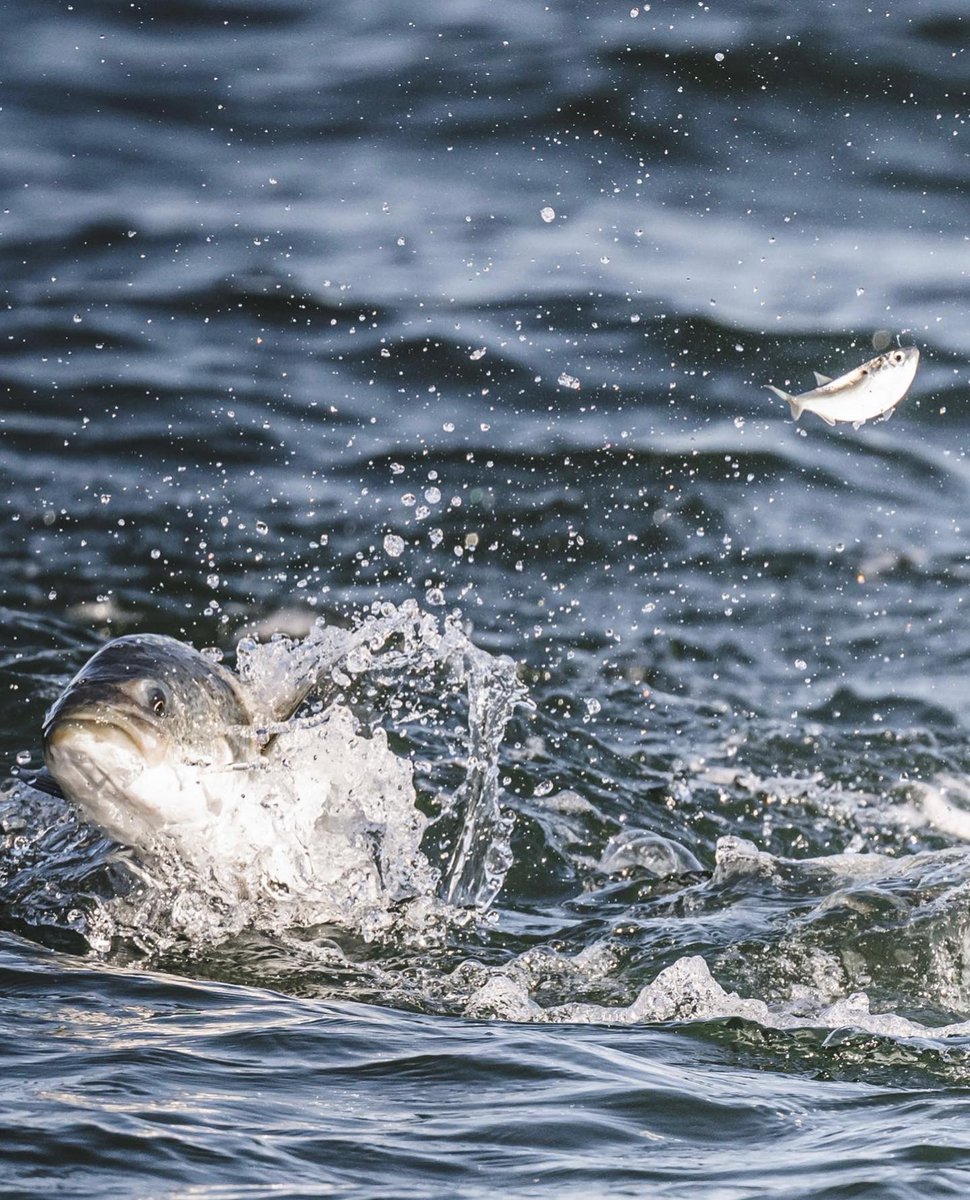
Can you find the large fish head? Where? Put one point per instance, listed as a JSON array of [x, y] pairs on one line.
[[140, 737]]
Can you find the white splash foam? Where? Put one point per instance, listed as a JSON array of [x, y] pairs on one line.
[[945, 803], [687, 991], [325, 829]]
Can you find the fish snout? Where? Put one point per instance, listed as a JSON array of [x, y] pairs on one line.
[[98, 732]]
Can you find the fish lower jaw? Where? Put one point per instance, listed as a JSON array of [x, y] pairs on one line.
[[120, 744], [130, 799]]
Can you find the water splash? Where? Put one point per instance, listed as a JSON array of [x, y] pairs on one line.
[[687, 991], [325, 828]]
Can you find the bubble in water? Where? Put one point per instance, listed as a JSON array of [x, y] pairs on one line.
[[262, 527], [477, 354], [433, 495], [23, 758], [212, 580], [593, 707], [548, 214], [719, 57], [568, 381], [393, 545]]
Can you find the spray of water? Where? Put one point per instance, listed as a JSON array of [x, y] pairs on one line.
[[325, 827]]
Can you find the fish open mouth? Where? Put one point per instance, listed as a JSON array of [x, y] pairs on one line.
[[65, 733]]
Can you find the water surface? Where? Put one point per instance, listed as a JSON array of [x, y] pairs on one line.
[[296, 300]]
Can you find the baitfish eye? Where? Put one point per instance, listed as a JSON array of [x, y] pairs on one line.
[[897, 356]]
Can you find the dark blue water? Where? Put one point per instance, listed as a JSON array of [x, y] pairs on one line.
[[284, 283]]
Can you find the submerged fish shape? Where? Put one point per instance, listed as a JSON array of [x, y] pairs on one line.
[[140, 737], [872, 390]]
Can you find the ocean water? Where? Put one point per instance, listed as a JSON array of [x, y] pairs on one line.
[[314, 308]]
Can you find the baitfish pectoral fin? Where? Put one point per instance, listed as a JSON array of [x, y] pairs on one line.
[[820, 379]]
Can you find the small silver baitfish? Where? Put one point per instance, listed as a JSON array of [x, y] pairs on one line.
[[872, 390]]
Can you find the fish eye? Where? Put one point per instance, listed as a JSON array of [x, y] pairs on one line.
[[157, 702], [898, 356]]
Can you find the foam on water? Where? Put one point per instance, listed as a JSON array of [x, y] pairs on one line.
[[377, 810], [325, 828], [687, 991]]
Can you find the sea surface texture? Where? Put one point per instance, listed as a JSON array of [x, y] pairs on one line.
[[454, 320]]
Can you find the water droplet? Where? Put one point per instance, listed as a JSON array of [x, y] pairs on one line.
[[548, 214], [393, 545]]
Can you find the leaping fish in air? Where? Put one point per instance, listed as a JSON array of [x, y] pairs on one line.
[[872, 390]]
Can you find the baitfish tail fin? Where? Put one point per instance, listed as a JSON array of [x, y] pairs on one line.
[[792, 401]]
